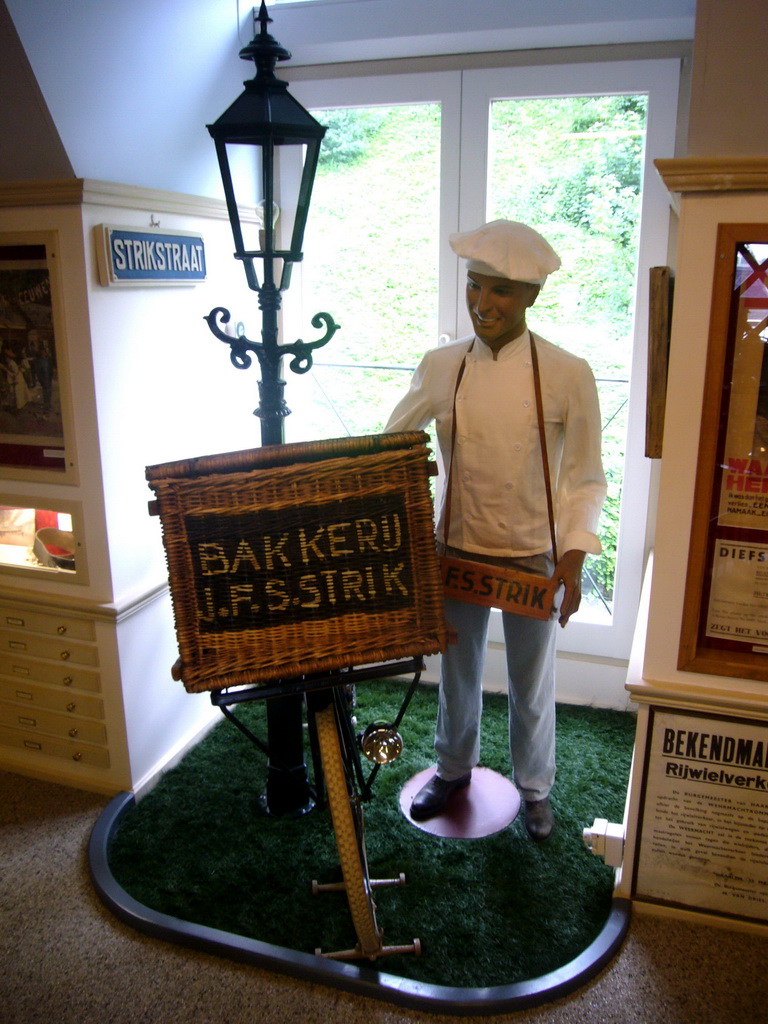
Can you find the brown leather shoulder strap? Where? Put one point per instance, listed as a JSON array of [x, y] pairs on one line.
[[447, 516], [543, 439]]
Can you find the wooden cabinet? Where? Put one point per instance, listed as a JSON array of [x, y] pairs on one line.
[[49, 679], [86, 694]]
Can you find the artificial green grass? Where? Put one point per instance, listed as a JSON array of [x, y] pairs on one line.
[[491, 911]]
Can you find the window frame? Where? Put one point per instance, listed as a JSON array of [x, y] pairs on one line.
[[464, 95]]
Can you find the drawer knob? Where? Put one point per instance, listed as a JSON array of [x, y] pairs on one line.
[[67, 680], [77, 757], [64, 655], [61, 630], [73, 733], [71, 707]]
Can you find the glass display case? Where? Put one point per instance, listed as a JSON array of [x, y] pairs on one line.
[[725, 620], [42, 541]]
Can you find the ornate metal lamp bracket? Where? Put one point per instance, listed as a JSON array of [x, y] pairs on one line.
[[241, 347]]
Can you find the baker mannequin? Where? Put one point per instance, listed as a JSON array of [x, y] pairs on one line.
[[498, 506]]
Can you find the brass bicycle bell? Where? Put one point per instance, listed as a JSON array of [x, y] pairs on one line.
[[381, 742]]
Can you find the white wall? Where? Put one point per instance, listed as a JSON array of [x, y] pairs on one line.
[[150, 384], [352, 30], [729, 80], [131, 86], [165, 386]]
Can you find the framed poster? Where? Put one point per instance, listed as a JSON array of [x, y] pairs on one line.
[[725, 615], [704, 814], [35, 441]]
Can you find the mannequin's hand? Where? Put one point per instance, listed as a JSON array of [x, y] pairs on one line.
[[568, 572]]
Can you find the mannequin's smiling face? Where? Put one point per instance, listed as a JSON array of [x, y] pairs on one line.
[[497, 307]]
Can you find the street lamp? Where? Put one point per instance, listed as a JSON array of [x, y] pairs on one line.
[[262, 120], [257, 126]]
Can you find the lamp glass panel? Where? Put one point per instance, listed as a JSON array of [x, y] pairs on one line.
[[245, 164]]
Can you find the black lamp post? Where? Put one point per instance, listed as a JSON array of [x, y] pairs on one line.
[[261, 121]]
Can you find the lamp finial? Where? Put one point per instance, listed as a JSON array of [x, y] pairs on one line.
[[264, 50]]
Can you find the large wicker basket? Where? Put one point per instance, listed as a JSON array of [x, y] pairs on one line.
[[295, 559]]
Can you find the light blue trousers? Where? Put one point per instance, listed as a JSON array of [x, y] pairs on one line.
[[530, 650]]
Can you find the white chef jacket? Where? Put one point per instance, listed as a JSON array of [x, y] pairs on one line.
[[498, 503]]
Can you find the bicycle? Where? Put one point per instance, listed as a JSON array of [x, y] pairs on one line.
[[290, 564], [340, 780]]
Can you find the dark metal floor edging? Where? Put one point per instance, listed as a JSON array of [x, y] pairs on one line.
[[364, 981]]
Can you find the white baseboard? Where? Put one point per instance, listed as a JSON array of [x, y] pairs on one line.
[[173, 757], [595, 682]]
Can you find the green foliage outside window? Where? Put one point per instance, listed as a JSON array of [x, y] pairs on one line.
[[571, 167]]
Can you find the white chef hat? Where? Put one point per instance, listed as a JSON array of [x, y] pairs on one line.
[[506, 248]]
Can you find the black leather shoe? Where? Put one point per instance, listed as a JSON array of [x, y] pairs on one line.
[[539, 819], [433, 797]]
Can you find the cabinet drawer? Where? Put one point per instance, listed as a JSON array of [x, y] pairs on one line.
[[61, 700], [46, 672], [42, 647], [38, 720], [82, 753], [44, 622]]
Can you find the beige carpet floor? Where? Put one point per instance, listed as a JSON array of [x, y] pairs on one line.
[[65, 959]]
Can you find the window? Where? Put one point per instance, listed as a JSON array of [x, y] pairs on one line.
[[370, 259], [416, 157]]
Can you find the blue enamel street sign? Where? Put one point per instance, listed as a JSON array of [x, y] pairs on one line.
[[130, 256]]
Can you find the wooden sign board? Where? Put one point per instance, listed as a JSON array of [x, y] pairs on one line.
[[491, 586]]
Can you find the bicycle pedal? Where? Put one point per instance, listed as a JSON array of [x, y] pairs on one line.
[[380, 882]]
